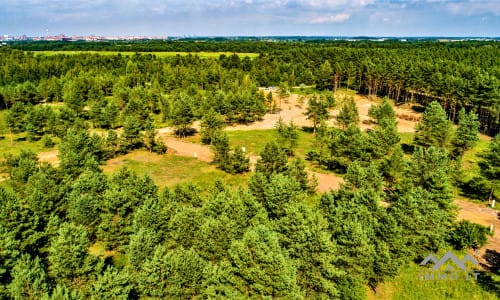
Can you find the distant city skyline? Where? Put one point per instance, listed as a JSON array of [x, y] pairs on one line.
[[36, 18]]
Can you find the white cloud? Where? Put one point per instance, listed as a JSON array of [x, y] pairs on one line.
[[336, 18], [333, 3], [470, 8]]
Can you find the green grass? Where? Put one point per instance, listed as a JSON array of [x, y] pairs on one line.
[[472, 157], [14, 143], [157, 54], [17, 142], [255, 140], [169, 170], [408, 285]]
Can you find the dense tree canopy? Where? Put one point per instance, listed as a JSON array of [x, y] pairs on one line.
[[72, 231]]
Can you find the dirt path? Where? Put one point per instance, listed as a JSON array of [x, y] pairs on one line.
[[485, 216], [181, 148]]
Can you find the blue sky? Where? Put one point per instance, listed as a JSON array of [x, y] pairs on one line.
[[252, 17]]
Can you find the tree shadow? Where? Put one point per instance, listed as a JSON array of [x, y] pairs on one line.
[[308, 129], [407, 148], [490, 279], [184, 132], [418, 108]]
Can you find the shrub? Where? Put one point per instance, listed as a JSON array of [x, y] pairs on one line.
[[468, 235]]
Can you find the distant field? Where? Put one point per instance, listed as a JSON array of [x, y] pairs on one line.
[[158, 54]]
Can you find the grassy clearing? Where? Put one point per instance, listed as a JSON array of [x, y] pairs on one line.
[[408, 285], [13, 144], [255, 140], [169, 170], [472, 157], [157, 54]]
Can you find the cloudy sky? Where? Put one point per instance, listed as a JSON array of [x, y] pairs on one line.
[[252, 17]]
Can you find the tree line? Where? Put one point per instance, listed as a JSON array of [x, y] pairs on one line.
[[457, 75]]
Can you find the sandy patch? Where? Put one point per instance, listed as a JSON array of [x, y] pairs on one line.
[[292, 110], [179, 147], [327, 182], [50, 157]]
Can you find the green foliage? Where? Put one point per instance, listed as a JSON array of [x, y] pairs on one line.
[[29, 279], [431, 169], [68, 254], [21, 167], [131, 136], [304, 233], [15, 117], [434, 129], [385, 136], [490, 166], [324, 79], [79, 151], [297, 171], [211, 123], [272, 160], [47, 141], [468, 235], [317, 111], [112, 284], [183, 114], [260, 266], [238, 162], [62, 292], [466, 135], [177, 274], [287, 136], [348, 114], [198, 241], [233, 161]]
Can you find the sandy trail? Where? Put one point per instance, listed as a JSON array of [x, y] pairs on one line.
[[485, 216], [178, 147]]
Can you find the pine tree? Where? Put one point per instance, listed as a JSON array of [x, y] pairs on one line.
[[288, 136], [434, 129], [68, 254], [317, 111], [385, 135], [466, 135], [272, 160], [260, 266], [211, 123], [112, 284], [304, 234], [297, 171], [221, 147], [131, 134], [490, 167], [178, 274], [29, 279], [348, 114]]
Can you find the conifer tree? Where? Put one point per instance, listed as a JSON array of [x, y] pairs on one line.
[[68, 254], [466, 135], [272, 160], [348, 114], [260, 266], [29, 279], [434, 129]]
